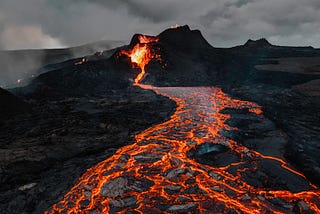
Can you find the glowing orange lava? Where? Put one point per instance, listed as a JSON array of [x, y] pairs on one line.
[[156, 175], [142, 54], [159, 156], [83, 60], [175, 26], [147, 39]]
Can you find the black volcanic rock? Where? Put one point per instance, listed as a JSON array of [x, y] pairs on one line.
[[183, 47], [90, 78], [260, 43], [191, 61], [263, 48], [98, 111], [186, 59], [10, 104], [43, 153], [184, 38], [135, 39], [23, 64]]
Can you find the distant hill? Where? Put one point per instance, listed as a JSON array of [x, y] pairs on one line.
[[187, 60], [16, 65]]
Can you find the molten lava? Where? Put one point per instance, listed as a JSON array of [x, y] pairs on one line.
[[141, 54], [147, 39], [83, 60], [156, 175], [175, 26]]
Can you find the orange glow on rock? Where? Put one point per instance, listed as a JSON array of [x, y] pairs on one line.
[[141, 54], [156, 170], [175, 26], [147, 39], [83, 60], [159, 157]]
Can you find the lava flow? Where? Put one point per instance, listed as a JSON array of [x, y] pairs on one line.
[[82, 61], [157, 174], [142, 54]]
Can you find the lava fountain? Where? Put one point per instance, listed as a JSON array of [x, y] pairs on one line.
[[155, 174], [141, 54]]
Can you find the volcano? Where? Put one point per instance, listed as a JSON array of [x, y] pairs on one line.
[[167, 124]]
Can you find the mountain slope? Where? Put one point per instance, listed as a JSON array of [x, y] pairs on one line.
[[10, 104], [22, 64]]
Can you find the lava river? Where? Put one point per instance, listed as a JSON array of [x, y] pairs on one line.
[[157, 174]]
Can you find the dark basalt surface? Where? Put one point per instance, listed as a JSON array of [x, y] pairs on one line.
[[11, 105], [73, 116], [298, 116], [22, 64], [42, 153], [286, 97]]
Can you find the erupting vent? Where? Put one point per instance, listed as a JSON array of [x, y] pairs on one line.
[[156, 174], [141, 54]]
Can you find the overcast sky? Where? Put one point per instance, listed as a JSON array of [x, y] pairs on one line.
[[224, 23]]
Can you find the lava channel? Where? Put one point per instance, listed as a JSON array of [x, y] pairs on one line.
[[156, 174]]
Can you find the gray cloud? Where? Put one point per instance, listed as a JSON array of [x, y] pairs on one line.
[[51, 23]]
